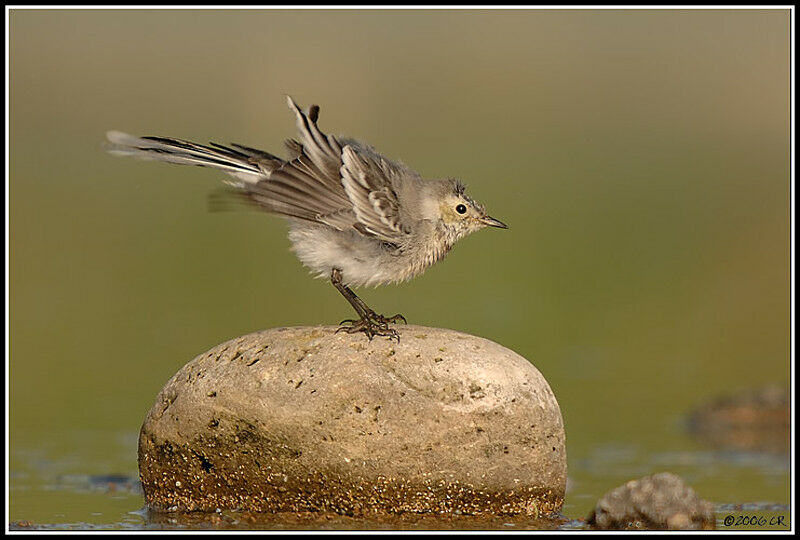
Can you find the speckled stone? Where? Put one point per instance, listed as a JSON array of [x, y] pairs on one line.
[[658, 502], [305, 419]]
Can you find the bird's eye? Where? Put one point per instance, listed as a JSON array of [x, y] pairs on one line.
[[461, 209]]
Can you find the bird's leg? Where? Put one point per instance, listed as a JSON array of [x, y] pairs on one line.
[[367, 311], [369, 322], [380, 319]]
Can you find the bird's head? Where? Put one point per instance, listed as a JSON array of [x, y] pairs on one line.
[[460, 214]]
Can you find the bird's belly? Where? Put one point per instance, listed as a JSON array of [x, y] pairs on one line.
[[362, 261]]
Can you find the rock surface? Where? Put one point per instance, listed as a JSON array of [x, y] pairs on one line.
[[305, 419], [661, 502]]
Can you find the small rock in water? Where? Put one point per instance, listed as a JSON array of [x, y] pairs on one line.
[[306, 419], [757, 420], [659, 502]]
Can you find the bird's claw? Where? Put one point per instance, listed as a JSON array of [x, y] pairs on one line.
[[384, 321], [372, 325]]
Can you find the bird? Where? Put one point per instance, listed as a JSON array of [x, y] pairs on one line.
[[355, 217]]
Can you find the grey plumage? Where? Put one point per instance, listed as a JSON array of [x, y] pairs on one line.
[[351, 210]]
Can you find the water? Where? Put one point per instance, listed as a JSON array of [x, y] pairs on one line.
[[639, 157], [80, 480]]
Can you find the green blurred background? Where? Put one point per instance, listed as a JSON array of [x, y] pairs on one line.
[[641, 159]]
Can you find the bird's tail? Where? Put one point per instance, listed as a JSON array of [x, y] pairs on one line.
[[246, 164]]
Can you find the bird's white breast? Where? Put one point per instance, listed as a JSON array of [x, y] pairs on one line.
[[363, 261]]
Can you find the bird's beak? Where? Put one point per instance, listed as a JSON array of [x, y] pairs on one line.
[[491, 222]]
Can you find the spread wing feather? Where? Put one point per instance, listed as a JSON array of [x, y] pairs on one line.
[[309, 183]]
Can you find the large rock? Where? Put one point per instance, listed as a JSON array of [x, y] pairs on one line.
[[306, 419]]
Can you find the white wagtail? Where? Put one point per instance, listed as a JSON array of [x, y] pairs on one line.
[[355, 217]]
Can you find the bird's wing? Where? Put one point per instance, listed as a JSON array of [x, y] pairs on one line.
[[307, 186], [344, 188], [368, 182]]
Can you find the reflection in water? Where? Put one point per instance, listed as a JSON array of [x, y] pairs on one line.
[[328, 521]]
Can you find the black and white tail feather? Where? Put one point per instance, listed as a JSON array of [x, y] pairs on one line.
[[234, 162]]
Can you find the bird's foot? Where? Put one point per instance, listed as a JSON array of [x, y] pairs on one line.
[[372, 325], [386, 320]]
